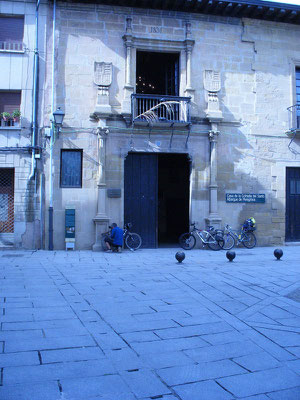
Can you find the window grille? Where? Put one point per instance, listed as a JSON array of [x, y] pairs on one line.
[[71, 169], [6, 200]]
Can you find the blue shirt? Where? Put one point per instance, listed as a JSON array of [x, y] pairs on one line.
[[117, 236]]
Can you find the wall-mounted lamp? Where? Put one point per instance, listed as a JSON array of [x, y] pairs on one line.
[[58, 117]]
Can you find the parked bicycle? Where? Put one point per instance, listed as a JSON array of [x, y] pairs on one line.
[[132, 240], [212, 238], [245, 236]]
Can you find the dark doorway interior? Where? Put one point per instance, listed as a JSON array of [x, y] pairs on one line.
[[156, 196], [292, 204], [157, 73], [173, 197]]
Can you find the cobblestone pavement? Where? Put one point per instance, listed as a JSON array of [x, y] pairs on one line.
[[86, 326]]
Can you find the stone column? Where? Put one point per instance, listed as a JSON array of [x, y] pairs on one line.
[[213, 218], [189, 43], [101, 220], [128, 88]]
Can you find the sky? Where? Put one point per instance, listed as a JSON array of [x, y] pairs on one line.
[[296, 2]]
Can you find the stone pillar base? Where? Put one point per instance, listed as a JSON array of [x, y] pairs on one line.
[[214, 220], [101, 223]]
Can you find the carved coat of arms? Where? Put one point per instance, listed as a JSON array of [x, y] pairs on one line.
[[102, 73], [212, 81]]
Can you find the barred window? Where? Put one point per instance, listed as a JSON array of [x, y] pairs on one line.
[[71, 169]]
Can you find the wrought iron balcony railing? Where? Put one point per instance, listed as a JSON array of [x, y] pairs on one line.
[[294, 117], [159, 109]]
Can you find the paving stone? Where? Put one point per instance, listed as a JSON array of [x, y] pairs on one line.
[[260, 382], [274, 349], [18, 359], [289, 394], [168, 345], [21, 335], [223, 337], [222, 352], [76, 354], [258, 362], [145, 336], [208, 390], [111, 387], [294, 365], [195, 330], [284, 339], [31, 391], [125, 359], [170, 359], [127, 326], [66, 331], [47, 344], [65, 370], [144, 383], [203, 371]]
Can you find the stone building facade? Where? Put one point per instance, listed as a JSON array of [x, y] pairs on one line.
[[171, 116], [22, 52]]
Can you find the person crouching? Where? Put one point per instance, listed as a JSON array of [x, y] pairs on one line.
[[115, 239]]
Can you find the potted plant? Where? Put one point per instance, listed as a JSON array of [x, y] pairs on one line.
[[16, 116], [5, 116]]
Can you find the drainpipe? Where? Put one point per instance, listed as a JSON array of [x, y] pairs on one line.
[[35, 91], [52, 133]]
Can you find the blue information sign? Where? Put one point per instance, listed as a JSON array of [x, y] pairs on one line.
[[245, 198]]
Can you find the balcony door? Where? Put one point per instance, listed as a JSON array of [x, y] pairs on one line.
[[157, 73]]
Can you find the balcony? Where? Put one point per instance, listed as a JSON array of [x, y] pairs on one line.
[[160, 110], [294, 118], [12, 46]]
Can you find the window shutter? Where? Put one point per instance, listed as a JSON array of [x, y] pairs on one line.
[[11, 33]]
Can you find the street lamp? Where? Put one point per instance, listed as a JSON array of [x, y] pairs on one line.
[[58, 117]]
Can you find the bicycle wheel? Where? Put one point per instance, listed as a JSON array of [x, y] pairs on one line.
[[133, 241], [187, 241], [249, 240], [215, 242], [229, 241]]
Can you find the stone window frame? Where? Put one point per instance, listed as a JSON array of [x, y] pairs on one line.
[[135, 43]]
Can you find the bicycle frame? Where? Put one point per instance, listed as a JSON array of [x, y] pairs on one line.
[[239, 237], [200, 232]]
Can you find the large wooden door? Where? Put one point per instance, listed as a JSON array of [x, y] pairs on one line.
[[292, 204], [140, 196]]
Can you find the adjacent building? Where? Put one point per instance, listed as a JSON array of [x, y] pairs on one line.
[[174, 112]]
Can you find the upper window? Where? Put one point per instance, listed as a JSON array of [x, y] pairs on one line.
[[11, 33], [71, 169], [10, 108], [157, 73]]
